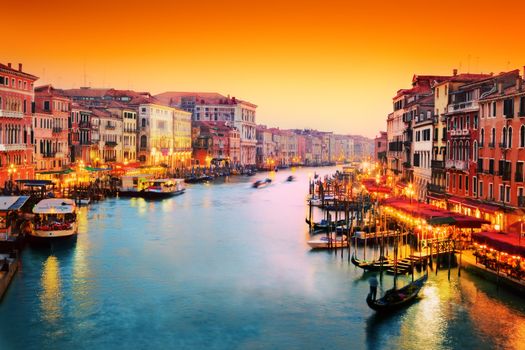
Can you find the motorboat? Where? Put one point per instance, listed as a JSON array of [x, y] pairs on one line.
[[163, 188], [133, 185], [54, 218], [323, 241], [262, 183], [290, 178]]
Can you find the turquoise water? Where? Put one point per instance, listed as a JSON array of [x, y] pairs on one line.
[[225, 266]]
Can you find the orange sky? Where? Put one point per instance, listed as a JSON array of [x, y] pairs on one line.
[[331, 65]]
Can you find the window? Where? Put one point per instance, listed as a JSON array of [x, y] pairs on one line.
[[480, 188], [522, 106], [491, 191], [46, 106], [494, 109], [509, 137], [501, 193], [518, 177], [492, 137], [508, 108], [460, 181], [507, 193], [475, 151], [491, 166], [466, 184], [474, 185], [482, 138], [522, 135], [521, 201], [475, 121], [143, 122]]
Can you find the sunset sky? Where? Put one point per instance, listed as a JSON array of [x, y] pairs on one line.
[[330, 65]]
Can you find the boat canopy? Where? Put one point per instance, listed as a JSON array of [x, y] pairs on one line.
[[55, 206], [35, 183], [8, 203]]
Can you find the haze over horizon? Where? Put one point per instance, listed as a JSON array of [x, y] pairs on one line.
[[328, 65]]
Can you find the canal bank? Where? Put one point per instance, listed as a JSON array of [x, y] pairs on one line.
[[226, 266]]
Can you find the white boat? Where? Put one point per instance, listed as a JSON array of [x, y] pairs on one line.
[[133, 185], [322, 241], [55, 218], [163, 188]]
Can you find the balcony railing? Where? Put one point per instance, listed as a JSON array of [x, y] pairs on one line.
[[437, 164], [111, 143], [435, 188], [458, 164], [13, 147], [57, 130], [84, 125], [11, 114], [133, 131], [110, 127], [463, 106]]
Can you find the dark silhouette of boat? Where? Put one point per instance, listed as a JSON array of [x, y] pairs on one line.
[[395, 299], [376, 265]]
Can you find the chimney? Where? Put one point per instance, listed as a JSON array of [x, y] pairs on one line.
[[455, 72], [500, 87], [519, 83], [20, 67], [9, 65]]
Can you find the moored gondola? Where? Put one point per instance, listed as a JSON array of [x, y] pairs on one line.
[[376, 265], [395, 299]]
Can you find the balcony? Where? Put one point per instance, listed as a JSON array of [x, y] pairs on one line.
[[84, 125], [437, 164], [110, 127], [457, 164], [131, 131], [435, 188], [111, 144], [57, 130], [11, 114], [463, 107], [13, 147], [48, 155]]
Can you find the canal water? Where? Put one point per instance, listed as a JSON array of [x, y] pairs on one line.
[[225, 266]]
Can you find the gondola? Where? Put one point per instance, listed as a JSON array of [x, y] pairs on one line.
[[395, 299], [325, 224], [375, 265]]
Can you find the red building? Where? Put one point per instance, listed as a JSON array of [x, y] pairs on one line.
[[16, 138], [212, 142], [500, 177], [52, 109], [380, 147]]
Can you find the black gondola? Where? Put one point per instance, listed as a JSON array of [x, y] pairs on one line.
[[395, 299], [376, 265], [325, 224]]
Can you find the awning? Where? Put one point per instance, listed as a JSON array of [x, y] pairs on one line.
[[88, 168], [506, 242], [55, 172], [35, 183], [8, 203]]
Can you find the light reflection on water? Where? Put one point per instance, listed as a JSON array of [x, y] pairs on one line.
[[225, 266]]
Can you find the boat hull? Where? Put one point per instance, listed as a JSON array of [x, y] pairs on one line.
[[160, 195], [53, 234], [410, 292]]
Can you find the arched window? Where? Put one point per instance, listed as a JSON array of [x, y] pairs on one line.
[[493, 137], [522, 136], [475, 151], [504, 136], [509, 137], [460, 151], [447, 150], [467, 151], [453, 153], [482, 137], [143, 122], [143, 141]]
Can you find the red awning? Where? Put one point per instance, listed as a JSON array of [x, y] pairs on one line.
[[506, 242]]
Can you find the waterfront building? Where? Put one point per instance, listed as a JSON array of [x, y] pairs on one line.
[[211, 143], [313, 150], [79, 137], [216, 107], [400, 130], [442, 94], [182, 145], [110, 136], [501, 140], [380, 148], [52, 113], [127, 115], [266, 154], [16, 100]]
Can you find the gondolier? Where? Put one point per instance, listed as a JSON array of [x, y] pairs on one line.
[[373, 286]]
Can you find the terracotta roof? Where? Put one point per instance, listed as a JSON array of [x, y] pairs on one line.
[[213, 98], [17, 72]]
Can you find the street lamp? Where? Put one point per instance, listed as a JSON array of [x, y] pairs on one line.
[[11, 171]]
